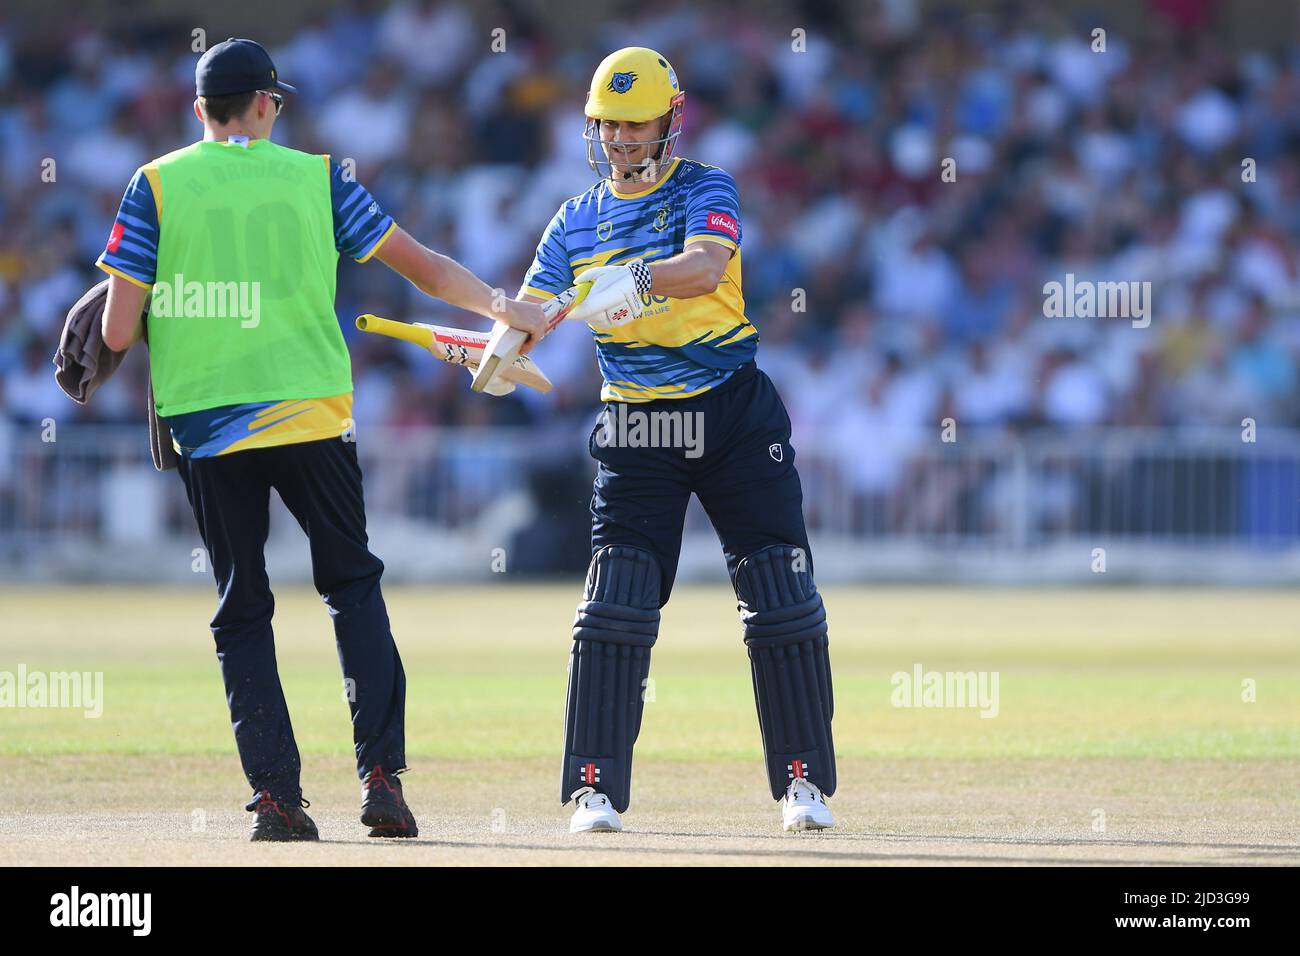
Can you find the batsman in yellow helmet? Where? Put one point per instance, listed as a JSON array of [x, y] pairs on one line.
[[687, 411]]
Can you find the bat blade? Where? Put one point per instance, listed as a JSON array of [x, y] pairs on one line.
[[502, 350]]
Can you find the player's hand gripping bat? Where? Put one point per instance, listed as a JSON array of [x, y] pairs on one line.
[[503, 346]]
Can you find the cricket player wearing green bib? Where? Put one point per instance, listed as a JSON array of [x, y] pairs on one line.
[[235, 242]]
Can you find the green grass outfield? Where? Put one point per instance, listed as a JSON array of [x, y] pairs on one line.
[[1121, 737], [1083, 673]]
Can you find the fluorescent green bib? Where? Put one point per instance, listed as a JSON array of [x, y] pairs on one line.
[[242, 308]]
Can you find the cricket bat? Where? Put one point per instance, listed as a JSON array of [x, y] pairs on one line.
[[457, 346], [503, 346]]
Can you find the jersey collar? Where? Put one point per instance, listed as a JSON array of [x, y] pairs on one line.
[[667, 176]]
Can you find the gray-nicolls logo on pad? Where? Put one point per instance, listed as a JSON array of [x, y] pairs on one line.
[[75, 909]]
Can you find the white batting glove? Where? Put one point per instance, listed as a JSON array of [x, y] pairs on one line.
[[498, 385], [614, 298]]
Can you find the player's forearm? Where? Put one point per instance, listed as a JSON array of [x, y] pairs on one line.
[[444, 278], [458, 286], [121, 326], [696, 271], [438, 276]]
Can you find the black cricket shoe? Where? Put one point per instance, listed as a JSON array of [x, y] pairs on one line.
[[383, 808], [280, 820]]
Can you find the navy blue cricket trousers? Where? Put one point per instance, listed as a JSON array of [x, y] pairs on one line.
[[320, 483], [743, 474]]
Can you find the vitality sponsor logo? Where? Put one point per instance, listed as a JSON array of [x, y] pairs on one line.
[[115, 237], [721, 222]]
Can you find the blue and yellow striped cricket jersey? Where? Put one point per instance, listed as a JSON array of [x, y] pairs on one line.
[[678, 347]]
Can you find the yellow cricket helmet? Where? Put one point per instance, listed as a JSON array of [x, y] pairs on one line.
[[634, 84]]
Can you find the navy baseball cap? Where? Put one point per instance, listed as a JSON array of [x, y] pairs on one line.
[[236, 66]]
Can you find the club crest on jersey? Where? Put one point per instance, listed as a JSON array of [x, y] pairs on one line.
[[604, 230], [661, 217], [776, 451], [621, 82]]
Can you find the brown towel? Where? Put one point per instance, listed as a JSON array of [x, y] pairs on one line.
[[83, 362]]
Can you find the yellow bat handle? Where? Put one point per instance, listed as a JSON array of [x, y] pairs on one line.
[[552, 307], [396, 330]]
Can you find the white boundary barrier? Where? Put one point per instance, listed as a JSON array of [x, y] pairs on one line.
[[1144, 505]]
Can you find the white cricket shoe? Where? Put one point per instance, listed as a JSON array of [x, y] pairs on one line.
[[594, 813], [804, 808]]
